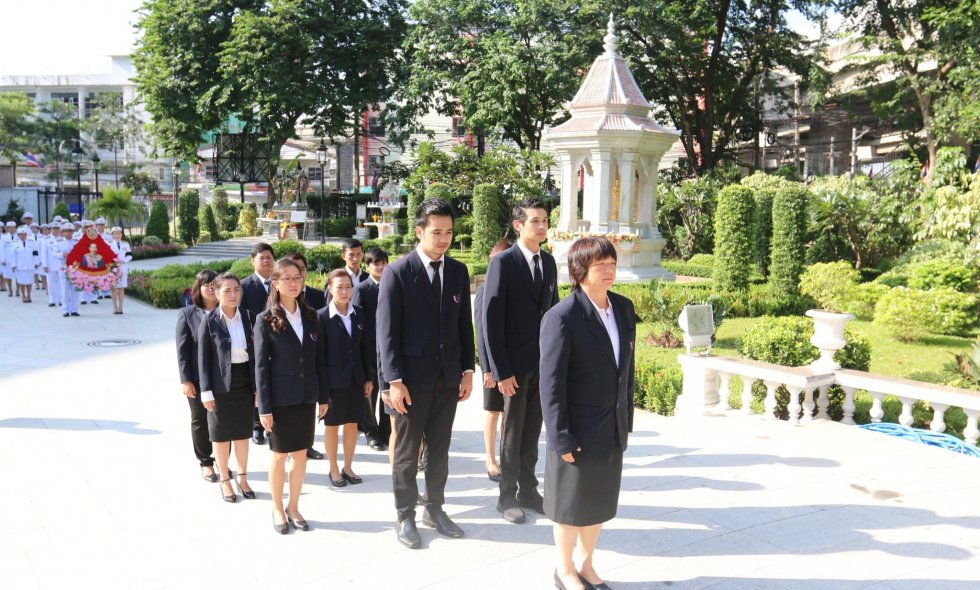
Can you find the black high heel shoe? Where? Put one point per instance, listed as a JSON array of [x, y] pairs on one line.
[[301, 525], [232, 498], [351, 479], [249, 495], [283, 528]]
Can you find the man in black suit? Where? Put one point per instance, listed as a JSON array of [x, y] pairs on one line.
[[352, 251], [425, 343], [316, 300], [377, 426], [255, 293], [521, 286]]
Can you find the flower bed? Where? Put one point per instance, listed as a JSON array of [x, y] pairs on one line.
[[155, 251]]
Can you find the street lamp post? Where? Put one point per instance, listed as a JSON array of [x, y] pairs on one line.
[[115, 158], [176, 176], [78, 156], [321, 158], [96, 161]]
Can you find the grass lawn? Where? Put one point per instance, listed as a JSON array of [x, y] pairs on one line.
[[922, 360]]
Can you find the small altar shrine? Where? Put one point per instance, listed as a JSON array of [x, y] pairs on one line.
[[290, 218], [389, 204], [612, 141]]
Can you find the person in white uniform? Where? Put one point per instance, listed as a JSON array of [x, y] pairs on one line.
[[69, 295], [50, 264], [40, 277], [6, 245], [123, 255], [22, 262], [107, 238]]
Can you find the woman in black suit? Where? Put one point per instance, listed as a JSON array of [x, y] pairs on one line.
[[226, 363], [188, 323], [291, 376], [493, 400], [587, 400], [347, 360]]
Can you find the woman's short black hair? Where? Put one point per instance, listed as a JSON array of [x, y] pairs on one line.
[[584, 253], [204, 277], [433, 206], [223, 278], [375, 255]]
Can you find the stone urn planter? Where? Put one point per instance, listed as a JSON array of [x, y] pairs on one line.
[[828, 337]]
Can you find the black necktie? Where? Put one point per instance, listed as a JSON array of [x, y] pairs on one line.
[[537, 276], [267, 283], [437, 282]]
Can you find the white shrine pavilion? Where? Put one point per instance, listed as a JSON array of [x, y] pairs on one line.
[[612, 140]]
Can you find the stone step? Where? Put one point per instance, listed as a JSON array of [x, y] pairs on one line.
[[227, 249]]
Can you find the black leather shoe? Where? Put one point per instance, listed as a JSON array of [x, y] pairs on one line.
[[249, 495], [64, 315], [494, 477], [232, 498], [51, 305], [301, 525], [351, 479], [283, 528], [532, 502], [213, 478], [512, 513], [314, 454], [588, 585], [93, 303], [408, 534], [377, 445], [258, 436], [338, 483], [441, 522]]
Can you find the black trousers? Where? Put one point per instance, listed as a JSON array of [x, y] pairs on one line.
[[199, 429], [375, 424], [256, 422], [431, 416], [519, 444]]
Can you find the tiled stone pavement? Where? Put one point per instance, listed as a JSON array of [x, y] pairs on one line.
[[99, 489]]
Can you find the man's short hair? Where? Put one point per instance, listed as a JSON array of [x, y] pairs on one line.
[[262, 247], [520, 210], [583, 254], [350, 243], [297, 257], [433, 206], [375, 255]]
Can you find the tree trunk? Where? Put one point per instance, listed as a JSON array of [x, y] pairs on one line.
[[357, 158]]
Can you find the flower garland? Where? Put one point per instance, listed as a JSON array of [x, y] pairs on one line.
[[85, 282], [565, 236]]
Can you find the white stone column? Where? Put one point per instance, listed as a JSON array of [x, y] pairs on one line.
[[82, 93], [700, 389], [647, 215], [596, 201], [627, 190], [569, 187]]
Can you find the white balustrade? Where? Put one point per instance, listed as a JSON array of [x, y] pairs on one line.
[[708, 379]]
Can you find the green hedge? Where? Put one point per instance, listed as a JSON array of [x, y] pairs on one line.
[[657, 387], [162, 293], [763, 228], [733, 227], [159, 251], [324, 258], [909, 314], [283, 247], [209, 223], [159, 223], [689, 269], [486, 219], [188, 225], [789, 225]]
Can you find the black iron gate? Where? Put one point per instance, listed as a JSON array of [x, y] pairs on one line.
[[77, 202]]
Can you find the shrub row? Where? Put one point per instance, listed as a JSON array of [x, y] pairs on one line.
[[155, 251]]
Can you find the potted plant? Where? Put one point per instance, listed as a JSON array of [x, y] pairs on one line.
[[830, 285]]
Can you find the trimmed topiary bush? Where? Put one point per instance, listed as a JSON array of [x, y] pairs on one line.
[[789, 224], [188, 225], [158, 224], [242, 268], [943, 273], [325, 258], [763, 229], [733, 227], [486, 220], [283, 247], [209, 223], [62, 210], [909, 314], [248, 219], [830, 284]]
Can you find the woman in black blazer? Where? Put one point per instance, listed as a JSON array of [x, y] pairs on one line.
[[188, 323], [226, 364], [291, 377], [347, 361], [493, 400], [587, 373]]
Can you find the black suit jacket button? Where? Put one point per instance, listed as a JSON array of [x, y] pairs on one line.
[[440, 346], [300, 360], [617, 405]]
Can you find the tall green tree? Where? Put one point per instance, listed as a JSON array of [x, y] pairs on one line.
[[272, 64], [112, 124], [57, 126], [702, 61], [17, 127], [927, 47], [505, 67]]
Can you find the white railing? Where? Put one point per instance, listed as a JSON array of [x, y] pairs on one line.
[[708, 378]]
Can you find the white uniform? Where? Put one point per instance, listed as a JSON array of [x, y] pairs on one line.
[[51, 262], [22, 260], [42, 247], [123, 255], [69, 295], [6, 245]]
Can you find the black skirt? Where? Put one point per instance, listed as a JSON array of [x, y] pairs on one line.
[[346, 406], [231, 418], [493, 400], [292, 428], [585, 492]]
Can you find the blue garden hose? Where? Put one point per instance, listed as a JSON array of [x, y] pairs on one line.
[[943, 441]]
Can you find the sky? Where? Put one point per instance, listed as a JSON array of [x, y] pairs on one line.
[[75, 36]]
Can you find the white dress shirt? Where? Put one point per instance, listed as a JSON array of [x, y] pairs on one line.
[[608, 318], [295, 320], [355, 277], [239, 345], [344, 319], [529, 256], [265, 282]]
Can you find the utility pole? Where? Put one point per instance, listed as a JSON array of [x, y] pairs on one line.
[[757, 157], [832, 171], [796, 127]]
